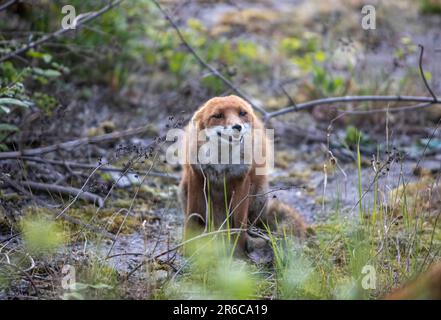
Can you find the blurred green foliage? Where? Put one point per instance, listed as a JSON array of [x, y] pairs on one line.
[[430, 7], [94, 280], [213, 273], [41, 235]]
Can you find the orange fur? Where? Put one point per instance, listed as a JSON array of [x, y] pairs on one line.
[[246, 191], [426, 286]]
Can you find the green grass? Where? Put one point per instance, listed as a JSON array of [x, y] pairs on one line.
[[345, 259]]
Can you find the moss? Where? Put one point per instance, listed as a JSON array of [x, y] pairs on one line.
[[417, 197], [109, 219], [10, 196], [283, 159], [430, 7]]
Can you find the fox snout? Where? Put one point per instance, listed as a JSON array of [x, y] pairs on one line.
[[234, 130], [237, 127]]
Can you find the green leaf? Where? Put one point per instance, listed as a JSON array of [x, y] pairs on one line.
[[78, 286], [100, 286], [177, 62], [48, 73], [4, 109], [46, 57], [15, 102], [72, 296], [8, 127]]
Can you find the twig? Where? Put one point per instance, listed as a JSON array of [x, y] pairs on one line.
[[26, 274], [7, 4], [420, 64], [87, 196], [67, 218], [61, 31], [424, 101], [91, 166], [132, 203], [206, 65], [19, 188], [290, 99], [74, 143], [388, 110], [313, 103], [203, 235]]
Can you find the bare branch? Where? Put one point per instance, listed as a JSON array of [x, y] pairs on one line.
[[424, 101], [346, 99], [290, 99], [87, 196], [67, 218], [420, 64], [7, 5], [92, 166], [397, 109], [68, 145], [61, 31], [206, 65]]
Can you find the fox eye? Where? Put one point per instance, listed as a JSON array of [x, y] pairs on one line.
[[242, 113], [218, 116]]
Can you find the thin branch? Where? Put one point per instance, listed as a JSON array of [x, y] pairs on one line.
[[420, 64], [87, 196], [26, 274], [424, 101], [67, 218], [397, 109], [202, 235], [290, 99], [7, 4], [74, 143], [206, 65], [80, 191], [56, 34], [345, 99], [91, 166]]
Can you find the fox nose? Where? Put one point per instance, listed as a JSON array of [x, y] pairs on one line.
[[237, 127]]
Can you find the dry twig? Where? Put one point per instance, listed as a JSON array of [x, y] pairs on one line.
[[74, 143], [86, 196], [78, 165]]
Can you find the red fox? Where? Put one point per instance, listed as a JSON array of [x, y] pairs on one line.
[[237, 190], [426, 286]]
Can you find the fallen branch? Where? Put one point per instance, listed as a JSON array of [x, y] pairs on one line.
[[309, 104], [56, 34], [91, 166], [67, 218], [84, 195], [74, 143], [206, 64]]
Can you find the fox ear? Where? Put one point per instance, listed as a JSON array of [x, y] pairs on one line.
[[197, 117]]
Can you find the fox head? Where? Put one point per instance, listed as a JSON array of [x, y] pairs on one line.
[[229, 116]]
